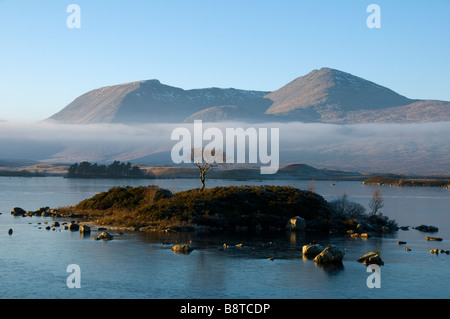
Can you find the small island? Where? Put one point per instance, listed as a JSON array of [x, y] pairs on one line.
[[232, 208], [114, 170], [421, 182]]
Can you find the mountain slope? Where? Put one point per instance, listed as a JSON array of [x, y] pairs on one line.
[[97, 106], [153, 102]]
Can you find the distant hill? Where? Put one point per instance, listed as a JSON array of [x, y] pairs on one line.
[[326, 95]]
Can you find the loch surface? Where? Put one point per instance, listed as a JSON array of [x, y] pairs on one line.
[[34, 260]]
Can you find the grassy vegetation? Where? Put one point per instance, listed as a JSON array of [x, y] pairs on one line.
[[219, 208]]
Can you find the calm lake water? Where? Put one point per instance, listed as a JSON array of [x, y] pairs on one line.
[[141, 265]]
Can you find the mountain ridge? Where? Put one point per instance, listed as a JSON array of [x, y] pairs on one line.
[[326, 95]]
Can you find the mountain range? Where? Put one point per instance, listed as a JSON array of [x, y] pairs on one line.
[[325, 95]]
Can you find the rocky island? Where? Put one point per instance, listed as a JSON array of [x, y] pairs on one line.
[[232, 208]]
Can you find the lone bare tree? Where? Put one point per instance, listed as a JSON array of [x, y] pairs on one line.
[[376, 202], [209, 160]]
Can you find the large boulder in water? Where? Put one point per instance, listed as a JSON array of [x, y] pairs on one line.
[[296, 224], [371, 258], [17, 211], [330, 255], [183, 248], [74, 226], [104, 236], [85, 229], [311, 251]]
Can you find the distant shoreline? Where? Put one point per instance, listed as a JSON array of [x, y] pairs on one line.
[[301, 172]]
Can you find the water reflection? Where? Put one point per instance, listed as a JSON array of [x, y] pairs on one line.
[[208, 270], [331, 269]]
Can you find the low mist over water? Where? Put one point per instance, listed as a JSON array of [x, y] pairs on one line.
[[385, 148]]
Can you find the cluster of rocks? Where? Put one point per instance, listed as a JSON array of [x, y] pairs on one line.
[[43, 211], [328, 255], [440, 251], [426, 229], [86, 229], [354, 234], [333, 255], [72, 226]]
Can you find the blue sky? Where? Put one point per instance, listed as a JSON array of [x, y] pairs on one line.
[[246, 44]]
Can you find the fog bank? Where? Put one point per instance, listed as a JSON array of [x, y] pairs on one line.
[[401, 148]]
